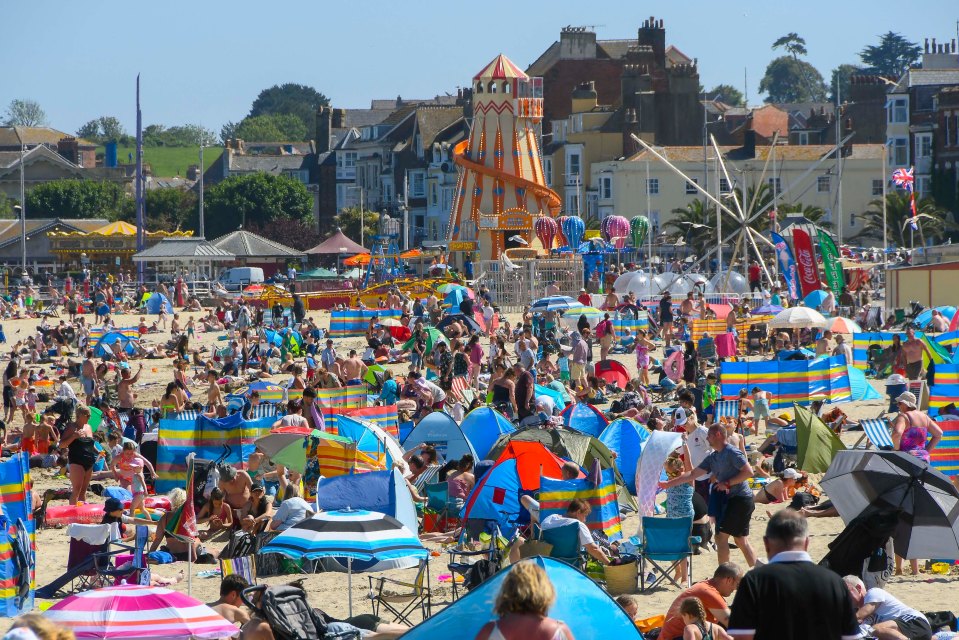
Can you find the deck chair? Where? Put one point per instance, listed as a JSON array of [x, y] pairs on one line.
[[665, 540], [875, 431], [88, 545], [728, 409], [243, 566], [565, 541], [52, 310], [402, 599]]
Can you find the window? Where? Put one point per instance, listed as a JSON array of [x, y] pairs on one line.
[[574, 164], [947, 139], [775, 184], [548, 171], [691, 189], [417, 184], [822, 184], [434, 194], [803, 137], [922, 186], [924, 145], [606, 187], [899, 152], [572, 204], [724, 185], [877, 188], [387, 192], [652, 186], [898, 111], [349, 158]]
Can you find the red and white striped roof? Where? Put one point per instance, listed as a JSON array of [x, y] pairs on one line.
[[500, 68]]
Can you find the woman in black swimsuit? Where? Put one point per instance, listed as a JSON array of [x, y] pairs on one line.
[[78, 438]]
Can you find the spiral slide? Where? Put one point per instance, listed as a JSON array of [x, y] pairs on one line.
[[552, 198]]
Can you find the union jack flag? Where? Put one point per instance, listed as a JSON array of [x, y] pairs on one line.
[[904, 179]]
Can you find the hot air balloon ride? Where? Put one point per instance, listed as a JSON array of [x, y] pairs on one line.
[[573, 229], [545, 228]]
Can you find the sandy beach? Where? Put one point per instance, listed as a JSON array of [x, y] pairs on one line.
[[927, 592]]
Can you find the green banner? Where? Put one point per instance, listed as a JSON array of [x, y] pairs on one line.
[[830, 262]]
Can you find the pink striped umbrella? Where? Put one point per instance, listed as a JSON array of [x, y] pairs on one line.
[[134, 612]]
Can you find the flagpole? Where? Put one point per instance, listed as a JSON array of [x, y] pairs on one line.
[[885, 226]]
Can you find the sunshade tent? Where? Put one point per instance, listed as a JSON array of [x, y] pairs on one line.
[[612, 372], [925, 499], [433, 338], [456, 295], [533, 459], [650, 467], [588, 610], [318, 274], [158, 301], [483, 426], [349, 534], [625, 437], [458, 317], [585, 418], [556, 396], [104, 348], [925, 317], [369, 438], [441, 431], [817, 444], [132, 611], [859, 387]]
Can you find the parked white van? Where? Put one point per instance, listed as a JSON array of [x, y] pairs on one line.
[[238, 277]]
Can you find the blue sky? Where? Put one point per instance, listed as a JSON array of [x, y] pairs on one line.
[[205, 61]]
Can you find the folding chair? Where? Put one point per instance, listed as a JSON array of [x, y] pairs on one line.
[[438, 500], [89, 543], [727, 409], [243, 566], [876, 433], [415, 595], [137, 571], [565, 541], [462, 559], [666, 540]]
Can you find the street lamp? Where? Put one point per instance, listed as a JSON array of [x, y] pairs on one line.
[[23, 205]]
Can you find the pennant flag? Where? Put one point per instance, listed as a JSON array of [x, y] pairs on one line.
[[789, 381], [183, 524], [830, 261], [555, 496], [787, 265], [806, 262]]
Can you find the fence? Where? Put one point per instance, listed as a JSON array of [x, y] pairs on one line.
[[515, 288]]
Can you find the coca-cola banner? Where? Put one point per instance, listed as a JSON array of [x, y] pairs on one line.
[[806, 262]]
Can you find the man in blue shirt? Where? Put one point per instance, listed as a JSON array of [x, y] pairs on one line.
[[730, 491], [328, 356]]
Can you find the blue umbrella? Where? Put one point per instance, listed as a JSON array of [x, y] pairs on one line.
[[767, 310], [815, 298], [349, 534], [925, 317], [555, 303]]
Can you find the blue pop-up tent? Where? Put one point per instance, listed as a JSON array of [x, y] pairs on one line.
[[483, 426], [104, 348], [441, 431], [158, 301], [625, 437], [369, 438], [585, 418], [588, 610]]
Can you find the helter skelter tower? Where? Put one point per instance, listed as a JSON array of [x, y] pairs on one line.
[[501, 187]]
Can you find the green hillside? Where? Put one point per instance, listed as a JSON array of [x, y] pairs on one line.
[[168, 162]]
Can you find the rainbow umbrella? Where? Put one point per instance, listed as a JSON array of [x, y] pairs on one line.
[[593, 316], [134, 611], [289, 448], [433, 337]]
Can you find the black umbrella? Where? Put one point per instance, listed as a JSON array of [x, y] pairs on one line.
[[926, 500]]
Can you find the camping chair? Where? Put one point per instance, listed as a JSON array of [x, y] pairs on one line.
[[666, 540], [243, 566], [415, 595], [137, 571], [875, 431], [462, 559], [51, 310], [565, 541], [438, 500], [89, 550]]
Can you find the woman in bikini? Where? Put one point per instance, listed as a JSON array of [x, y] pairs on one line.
[[643, 347], [82, 454], [169, 402], [217, 513]]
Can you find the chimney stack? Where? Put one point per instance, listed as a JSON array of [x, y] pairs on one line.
[[324, 122]]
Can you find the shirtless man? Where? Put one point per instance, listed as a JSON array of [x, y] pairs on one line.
[[175, 324], [687, 306], [125, 396], [823, 345], [612, 300], [230, 605], [88, 376], [214, 396], [914, 349], [353, 368], [236, 487]]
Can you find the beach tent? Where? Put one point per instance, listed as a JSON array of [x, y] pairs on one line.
[[483, 426], [925, 317], [650, 467], [585, 418], [104, 348], [859, 387], [588, 610], [369, 438], [556, 396], [158, 301], [380, 491], [441, 431], [612, 372], [470, 323], [625, 437], [817, 444], [533, 460]]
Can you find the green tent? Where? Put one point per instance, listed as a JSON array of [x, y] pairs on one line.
[[318, 273], [433, 338], [817, 444]]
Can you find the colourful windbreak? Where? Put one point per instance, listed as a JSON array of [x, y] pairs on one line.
[[789, 381], [555, 496]]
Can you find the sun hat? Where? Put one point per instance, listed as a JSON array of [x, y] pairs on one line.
[[791, 474], [111, 505], [908, 399], [679, 416]]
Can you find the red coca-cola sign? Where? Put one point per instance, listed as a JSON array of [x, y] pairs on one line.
[[806, 262]]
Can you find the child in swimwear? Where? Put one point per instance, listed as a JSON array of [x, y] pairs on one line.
[[46, 434], [128, 467], [760, 409]]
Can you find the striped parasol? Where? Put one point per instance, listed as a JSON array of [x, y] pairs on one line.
[[133, 612], [555, 303], [351, 535], [593, 316]]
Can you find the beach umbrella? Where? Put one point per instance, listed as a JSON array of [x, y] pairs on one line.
[[766, 310], [446, 287], [133, 612], [593, 316], [798, 317], [350, 535], [815, 298], [925, 499], [615, 230], [555, 303], [573, 229], [545, 228], [289, 447], [433, 337], [639, 230], [843, 325]]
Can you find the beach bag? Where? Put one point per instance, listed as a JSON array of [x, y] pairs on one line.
[[803, 499], [479, 572], [941, 620], [535, 548]]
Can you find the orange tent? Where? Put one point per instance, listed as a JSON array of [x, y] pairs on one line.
[[533, 460]]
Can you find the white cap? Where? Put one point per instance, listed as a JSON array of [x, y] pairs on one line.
[[791, 474], [679, 416]]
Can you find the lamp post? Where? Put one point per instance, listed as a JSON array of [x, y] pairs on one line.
[[23, 205], [202, 226]]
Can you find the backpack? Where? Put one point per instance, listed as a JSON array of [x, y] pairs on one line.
[[603, 328], [287, 611], [479, 572]]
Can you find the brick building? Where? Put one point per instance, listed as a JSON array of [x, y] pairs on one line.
[[945, 177]]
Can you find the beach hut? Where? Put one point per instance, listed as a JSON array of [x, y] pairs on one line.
[[104, 347], [441, 431], [483, 426], [588, 610], [625, 437], [585, 418]]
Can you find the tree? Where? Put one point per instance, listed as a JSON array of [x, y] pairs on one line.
[[289, 99], [791, 80], [841, 77], [6, 206], [793, 44], [728, 94], [90, 131], [696, 223], [348, 220], [811, 212], [271, 128], [933, 224], [255, 199], [293, 233], [892, 56], [170, 209], [111, 129], [25, 113], [77, 199], [228, 131]]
